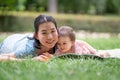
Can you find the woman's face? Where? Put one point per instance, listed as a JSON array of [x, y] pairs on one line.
[[47, 34]]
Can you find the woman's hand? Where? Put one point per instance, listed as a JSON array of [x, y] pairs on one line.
[[48, 55], [44, 57], [8, 57]]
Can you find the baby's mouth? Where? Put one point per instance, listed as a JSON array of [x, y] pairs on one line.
[[62, 50]]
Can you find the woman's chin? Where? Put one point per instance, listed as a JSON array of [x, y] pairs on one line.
[[51, 46]]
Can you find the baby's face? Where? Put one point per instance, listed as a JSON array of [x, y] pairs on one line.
[[64, 44]]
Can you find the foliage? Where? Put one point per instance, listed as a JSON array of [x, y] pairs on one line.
[[8, 5], [67, 6], [36, 5], [113, 6], [76, 6]]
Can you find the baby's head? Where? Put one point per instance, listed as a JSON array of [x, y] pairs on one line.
[[66, 38]]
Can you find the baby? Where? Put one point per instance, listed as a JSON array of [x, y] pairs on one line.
[[67, 43]]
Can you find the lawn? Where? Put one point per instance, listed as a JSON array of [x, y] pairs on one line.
[[66, 69]]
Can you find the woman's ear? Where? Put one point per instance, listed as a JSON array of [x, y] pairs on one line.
[[35, 35]]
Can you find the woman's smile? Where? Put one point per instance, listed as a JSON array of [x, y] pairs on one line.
[[50, 42]]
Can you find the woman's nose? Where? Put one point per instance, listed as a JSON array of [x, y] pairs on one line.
[[50, 36]]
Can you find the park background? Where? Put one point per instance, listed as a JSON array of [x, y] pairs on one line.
[[95, 21], [88, 15]]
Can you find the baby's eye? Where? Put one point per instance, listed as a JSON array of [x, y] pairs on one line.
[[64, 43]]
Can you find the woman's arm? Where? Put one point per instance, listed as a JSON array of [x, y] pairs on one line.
[[11, 57], [8, 57]]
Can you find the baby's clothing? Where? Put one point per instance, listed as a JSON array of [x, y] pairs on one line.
[[114, 53], [79, 47]]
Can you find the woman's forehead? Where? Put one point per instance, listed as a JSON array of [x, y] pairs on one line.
[[47, 26]]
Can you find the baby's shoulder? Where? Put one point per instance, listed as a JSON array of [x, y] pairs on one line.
[[80, 42]]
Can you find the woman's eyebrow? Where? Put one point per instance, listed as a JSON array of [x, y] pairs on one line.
[[49, 29], [43, 30], [52, 29]]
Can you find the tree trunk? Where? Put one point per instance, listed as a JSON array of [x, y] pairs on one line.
[[52, 6]]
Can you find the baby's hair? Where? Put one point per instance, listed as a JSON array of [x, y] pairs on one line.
[[67, 31]]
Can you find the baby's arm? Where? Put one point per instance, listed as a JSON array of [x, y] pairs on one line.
[[89, 47], [103, 54], [95, 51]]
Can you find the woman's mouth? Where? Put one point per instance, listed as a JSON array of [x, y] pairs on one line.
[[50, 42]]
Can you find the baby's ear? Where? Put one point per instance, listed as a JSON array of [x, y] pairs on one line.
[[35, 35]]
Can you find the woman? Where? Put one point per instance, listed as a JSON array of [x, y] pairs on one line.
[[23, 45]]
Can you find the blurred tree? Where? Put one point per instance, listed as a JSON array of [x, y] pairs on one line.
[[36, 5], [20, 5], [113, 6], [73, 6], [10, 5], [99, 6], [66, 6], [52, 6]]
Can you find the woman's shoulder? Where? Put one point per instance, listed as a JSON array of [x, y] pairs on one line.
[[16, 40], [18, 36]]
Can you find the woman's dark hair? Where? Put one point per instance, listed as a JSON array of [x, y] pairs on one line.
[[40, 20], [43, 19]]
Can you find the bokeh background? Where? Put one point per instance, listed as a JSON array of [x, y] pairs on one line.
[[88, 15], [96, 21]]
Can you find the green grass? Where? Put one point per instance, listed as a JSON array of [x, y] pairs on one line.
[[58, 69], [104, 43], [66, 69]]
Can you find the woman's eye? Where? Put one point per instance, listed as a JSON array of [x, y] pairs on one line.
[[44, 33], [52, 31]]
